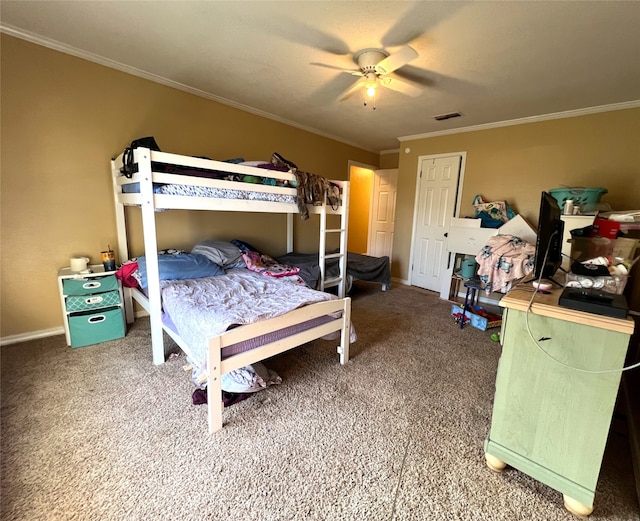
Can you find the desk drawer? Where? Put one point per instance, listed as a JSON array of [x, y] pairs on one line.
[[92, 328], [90, 285], [108, 299]]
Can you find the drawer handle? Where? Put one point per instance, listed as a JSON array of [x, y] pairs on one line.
[[96, 319], [93, 300], [91, 285]]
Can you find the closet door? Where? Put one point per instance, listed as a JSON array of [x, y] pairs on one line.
[[435, 206]]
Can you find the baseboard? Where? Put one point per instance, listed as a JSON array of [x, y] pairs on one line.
[[43, 333], [400, 281], [33, 335]]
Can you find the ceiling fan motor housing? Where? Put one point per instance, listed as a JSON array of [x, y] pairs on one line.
[[367, 59]]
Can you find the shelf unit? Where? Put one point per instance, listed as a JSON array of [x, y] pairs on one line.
[[92, 306]]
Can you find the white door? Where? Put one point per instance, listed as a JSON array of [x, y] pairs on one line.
[[435, 206], [383, 211]]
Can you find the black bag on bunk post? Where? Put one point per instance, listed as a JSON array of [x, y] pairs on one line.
[[128, 168]]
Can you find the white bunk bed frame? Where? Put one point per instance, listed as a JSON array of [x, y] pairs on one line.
[[151, 302]]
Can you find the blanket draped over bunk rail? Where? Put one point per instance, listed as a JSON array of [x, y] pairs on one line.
[[311, 188]]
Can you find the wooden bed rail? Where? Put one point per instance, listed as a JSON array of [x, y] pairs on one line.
[[217, 367]]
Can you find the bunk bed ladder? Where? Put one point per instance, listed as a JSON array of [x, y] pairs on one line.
[[340, 280]]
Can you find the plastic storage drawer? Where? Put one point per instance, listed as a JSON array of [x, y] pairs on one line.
[[89, 286], [92, 328], [75, 303]]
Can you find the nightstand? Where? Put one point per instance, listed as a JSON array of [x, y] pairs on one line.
[[92, 306]]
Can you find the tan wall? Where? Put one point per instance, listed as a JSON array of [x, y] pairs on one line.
[[359, 208], [389, 160], [516, 163], [63, 118]]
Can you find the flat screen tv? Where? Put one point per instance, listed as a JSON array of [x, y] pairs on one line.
[[548, 257]]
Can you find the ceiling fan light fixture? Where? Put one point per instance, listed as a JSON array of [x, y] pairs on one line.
[[370, 88]]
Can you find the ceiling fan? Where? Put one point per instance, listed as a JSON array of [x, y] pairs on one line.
[[375, 69]]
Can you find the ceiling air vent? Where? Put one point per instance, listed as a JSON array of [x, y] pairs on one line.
[[442, 117]]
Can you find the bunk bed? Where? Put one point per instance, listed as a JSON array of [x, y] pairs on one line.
[[162, 181]]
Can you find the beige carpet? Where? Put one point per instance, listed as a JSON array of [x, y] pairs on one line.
[[101, 433]]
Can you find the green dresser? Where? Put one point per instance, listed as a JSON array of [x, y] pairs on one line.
[[554, 399]]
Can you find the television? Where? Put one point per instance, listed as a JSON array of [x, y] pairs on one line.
[[548, 257]]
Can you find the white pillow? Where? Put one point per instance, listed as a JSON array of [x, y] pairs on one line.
[[222, 253]]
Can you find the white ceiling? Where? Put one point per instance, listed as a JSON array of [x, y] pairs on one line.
[[492, 61]]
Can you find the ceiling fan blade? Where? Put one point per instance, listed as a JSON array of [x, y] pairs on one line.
[[396, 60], [335, 67], [352, 90], [401, 86], [418, 20], [416, 76]]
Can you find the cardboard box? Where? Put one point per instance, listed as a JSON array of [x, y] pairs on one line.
[[467, 237]]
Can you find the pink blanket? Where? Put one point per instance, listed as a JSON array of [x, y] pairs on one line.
[[504, 259]]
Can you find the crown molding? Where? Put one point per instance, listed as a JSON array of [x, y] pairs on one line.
[[79, 53], [112, 64], [524, 121]]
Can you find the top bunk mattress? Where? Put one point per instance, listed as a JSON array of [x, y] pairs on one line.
[[176, 179], [212, 192]]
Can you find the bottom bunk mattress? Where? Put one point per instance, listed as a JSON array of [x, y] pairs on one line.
[[197, 309], [359, 267]]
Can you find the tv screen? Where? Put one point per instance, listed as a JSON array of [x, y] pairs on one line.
[[549, 243]]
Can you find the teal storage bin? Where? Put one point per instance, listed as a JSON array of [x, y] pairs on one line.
[[468, 268], [89, 286], [95, 327], [108, 299]]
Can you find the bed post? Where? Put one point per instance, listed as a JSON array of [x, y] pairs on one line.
[[344, 230], [151, 254], [289, 233], [215, 404], [123, 244], [345, 332]]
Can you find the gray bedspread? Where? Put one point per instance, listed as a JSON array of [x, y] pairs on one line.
[[360, 267]]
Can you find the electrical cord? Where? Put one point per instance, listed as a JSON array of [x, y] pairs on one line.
[[526, 319]]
